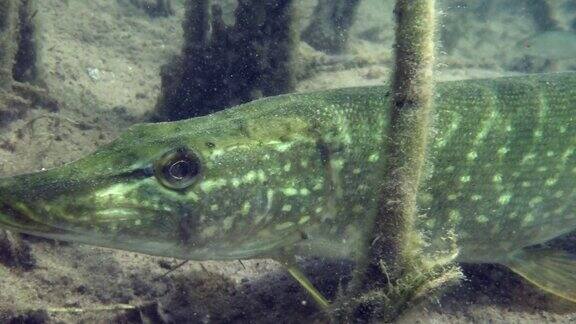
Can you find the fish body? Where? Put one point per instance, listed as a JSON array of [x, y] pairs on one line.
[[302, 172], [503, 165]]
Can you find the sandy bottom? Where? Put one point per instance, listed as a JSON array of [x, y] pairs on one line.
[[101, 61]]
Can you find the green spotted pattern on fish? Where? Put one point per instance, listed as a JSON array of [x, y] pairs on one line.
[[298, 175]]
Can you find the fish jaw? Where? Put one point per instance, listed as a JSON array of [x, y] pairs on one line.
[[54, 204], [15, 214]]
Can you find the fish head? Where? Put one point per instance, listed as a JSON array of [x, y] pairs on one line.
[[205, 188]]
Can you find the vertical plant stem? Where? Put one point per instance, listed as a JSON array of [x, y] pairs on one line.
[[392, 241]]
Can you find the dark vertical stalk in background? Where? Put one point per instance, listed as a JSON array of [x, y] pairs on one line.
[[196, 24], [221, 66], [19, 56], [8, 44], [26, 65], [18, 42], [329, 28]]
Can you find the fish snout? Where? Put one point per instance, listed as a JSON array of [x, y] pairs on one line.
[[10, 217], [15, 214]]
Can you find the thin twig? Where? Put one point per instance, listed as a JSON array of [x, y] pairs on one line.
[[103, 308], [178, 266]]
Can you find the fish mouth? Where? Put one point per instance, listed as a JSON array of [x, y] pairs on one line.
[[18, 216]]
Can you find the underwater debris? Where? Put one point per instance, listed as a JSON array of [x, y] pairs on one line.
[[329, 29], [15, 104], [222, 66], [190, 293], [29, 317], [152, 312], [14, 252], [12, 107]]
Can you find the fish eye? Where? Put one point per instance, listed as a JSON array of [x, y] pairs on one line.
[[177, 169]]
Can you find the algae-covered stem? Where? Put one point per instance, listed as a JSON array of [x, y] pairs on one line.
[[391, 239], [412, 100]]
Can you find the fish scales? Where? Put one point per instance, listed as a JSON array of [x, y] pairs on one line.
[[301, 173], [503, 165]]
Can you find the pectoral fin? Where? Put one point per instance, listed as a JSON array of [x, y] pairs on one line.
[[308, 286], [289, 261], [551, 270]]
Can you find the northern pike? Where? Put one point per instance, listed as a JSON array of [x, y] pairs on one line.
[[298, 174]]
